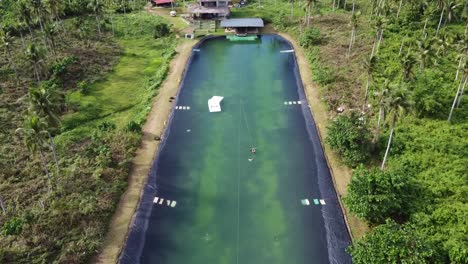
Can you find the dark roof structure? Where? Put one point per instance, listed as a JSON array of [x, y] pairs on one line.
[[242, 23]]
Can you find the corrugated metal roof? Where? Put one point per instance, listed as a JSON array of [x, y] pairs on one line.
[[242, 22]]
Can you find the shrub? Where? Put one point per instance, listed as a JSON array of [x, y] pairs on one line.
[[160, 30], [14, 226], [106, 126], [350, 138], [310, 37], [84, 87], [393, 243], [133, 126], [375, 195], [59, 68]]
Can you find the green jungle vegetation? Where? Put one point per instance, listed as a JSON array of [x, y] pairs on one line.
[[393, 74], [77, 80]]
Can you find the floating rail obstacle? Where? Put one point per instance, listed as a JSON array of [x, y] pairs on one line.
[[160, 201], [287, 51]]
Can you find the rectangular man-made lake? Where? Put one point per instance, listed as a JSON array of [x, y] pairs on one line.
[[217, 202]]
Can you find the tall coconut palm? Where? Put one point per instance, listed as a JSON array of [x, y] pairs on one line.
[[462, 48], [442, 45], [397, 102], [34, 133], [292, 9], [426, 52], [44, 101], [380, 97], [35, 56], [407, 63], [399, 8], [39, 11], [354, 25], [98, 9], [25, 14], [461, 86], [5, 42], [55, 8], [309, 6], [451, 6], [50, 32], [379, 29], [369, 66]]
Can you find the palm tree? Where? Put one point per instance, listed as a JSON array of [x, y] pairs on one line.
[[98, 8], [34, 133], [354, 25], [5, 42], [45, 102], [465, 73], [399, 8], [25, 14], [369, 66], [440, 20], [51, 31], [35, 55], [407, 63], [379, 29], [397, 102], [309, 5], [38, 10], [460, 91], [380, 97], [292, 9], [425, 52], [55, 9], [462, 48], [451, 5]]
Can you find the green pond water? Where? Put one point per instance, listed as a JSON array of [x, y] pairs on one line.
[[234, 206]]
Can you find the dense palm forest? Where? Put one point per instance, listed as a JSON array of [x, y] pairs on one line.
[[76, 82], [77, 78]]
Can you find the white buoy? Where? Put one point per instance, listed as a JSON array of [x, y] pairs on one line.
[[299, 102], [155, 200], [322, 202], [173, 204]]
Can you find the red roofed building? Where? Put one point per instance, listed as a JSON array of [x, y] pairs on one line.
[[162, 2]]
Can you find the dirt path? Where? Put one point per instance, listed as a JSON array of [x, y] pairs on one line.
[[142, 162], [341, 174]]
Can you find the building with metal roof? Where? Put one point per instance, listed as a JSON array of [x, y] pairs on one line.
[[242, 25]]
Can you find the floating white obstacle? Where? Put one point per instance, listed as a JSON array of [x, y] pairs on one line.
[[196, 50], [159, 200], [214, 103], [322, 202], [316, 201], [287, 51], [292, 102], [182, 107], [305, 202]]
